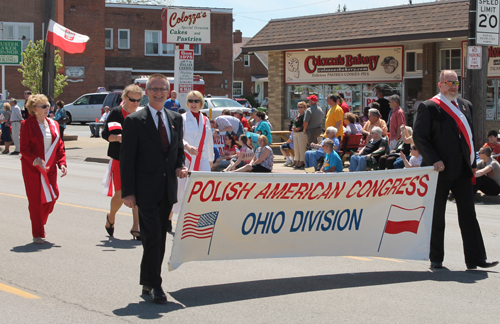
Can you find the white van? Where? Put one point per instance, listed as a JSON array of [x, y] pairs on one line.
[[86, 108]]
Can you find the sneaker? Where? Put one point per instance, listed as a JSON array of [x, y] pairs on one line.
[[288, 163]]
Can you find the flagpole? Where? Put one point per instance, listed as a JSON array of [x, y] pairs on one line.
[[48, 73], [383, 232]]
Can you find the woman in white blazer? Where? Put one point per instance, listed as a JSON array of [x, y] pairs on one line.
[[198, 142]]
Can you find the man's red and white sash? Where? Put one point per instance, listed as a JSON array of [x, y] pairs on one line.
[[202, 126], [460, 119], [48, 193]]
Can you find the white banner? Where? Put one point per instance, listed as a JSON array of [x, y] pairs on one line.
[[371, 64], [183, 26], [226, 216]]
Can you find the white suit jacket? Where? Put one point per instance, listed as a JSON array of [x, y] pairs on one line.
[[192, 136]]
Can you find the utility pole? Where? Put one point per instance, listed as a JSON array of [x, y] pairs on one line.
[[49, 70], [476, 82]]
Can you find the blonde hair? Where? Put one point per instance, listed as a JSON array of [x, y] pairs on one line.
[[34, 100], [5, 106], [198, 95], [131, 88], [264, 139], [302, 103]]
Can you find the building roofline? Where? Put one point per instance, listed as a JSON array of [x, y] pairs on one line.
[[432, 3], [155, 7], [357, 41]]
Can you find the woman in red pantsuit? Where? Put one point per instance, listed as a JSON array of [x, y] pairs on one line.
[[41, 150]]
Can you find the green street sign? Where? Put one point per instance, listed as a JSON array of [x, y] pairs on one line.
[[10, 52]]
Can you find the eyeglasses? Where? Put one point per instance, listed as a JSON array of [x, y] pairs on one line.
[[43, 106], [300, 107], [450, 83], [158, 89], [133, 100], [194, 100]]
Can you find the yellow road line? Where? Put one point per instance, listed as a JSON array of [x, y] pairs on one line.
[[65, 204], [388, 259], [358, 258], [17, 292]]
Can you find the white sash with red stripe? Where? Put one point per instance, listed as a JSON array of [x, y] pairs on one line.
[[197, 159], [48, 193], [460, 119], [107, 181]]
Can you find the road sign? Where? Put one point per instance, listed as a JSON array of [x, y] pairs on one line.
[[487, 20], [10, 52], [474, 54]]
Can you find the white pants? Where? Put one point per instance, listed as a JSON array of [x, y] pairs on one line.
[[392, 145], [16, 130]]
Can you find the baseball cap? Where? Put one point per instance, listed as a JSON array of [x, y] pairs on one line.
[[254, 110], [313, 98], [238, 111]]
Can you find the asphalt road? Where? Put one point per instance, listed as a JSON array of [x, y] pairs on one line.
[[82, 276]]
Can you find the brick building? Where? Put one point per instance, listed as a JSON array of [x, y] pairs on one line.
[[399, 50], [250, 70], [125, 43]]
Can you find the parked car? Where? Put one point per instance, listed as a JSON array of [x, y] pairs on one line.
[[219, 104], [114, 99], [243, 102], [86, 108]]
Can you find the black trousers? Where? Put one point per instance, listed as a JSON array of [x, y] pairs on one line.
[[154, 224], [487, 185], [469, 227]]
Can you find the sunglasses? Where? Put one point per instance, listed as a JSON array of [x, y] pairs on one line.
[[194, 100], [133, 100], [450, 83], [43, 106]]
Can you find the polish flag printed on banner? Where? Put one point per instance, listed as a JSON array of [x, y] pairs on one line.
[[114, 126], [66, 39], [401, 220]]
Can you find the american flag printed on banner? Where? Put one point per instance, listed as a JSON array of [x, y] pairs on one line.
[[199, 226]]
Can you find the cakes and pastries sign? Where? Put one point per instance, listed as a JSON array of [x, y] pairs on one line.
[[183, 26], [373, 64]]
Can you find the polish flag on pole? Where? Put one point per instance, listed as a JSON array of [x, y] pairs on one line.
[[401, 220], [66, 39]]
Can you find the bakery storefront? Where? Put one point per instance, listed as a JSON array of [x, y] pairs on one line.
[[357, 73]]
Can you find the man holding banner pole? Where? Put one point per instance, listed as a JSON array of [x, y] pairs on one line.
[[443, 135]]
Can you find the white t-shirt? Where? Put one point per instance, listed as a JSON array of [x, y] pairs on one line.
[[225, 121], [414, 161]]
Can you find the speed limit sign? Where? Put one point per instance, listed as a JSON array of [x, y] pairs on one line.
[[487, 22]]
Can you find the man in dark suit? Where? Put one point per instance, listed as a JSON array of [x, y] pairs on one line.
[[152, 157], [385, 108], [443, 135]]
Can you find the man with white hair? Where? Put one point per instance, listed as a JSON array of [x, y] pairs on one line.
[[372, 151], [312, 156], [443, 134], [374, 120]]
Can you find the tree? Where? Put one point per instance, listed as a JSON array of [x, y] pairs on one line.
[[166, 3], [32, 66], [343, 9]]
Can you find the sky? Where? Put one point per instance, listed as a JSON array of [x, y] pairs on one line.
[[252, 15]]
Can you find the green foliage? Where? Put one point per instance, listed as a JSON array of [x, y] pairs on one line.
[[251, 101], [343, 9], [32, 68]]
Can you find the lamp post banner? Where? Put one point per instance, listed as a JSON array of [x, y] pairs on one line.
[[228, 216]]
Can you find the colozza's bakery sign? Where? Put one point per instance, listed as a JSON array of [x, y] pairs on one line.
[[182, 26], [345, 65]]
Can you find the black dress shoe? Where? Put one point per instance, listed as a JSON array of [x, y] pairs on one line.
[[157, 295], [145, 290], [482, 264], [436, 265]]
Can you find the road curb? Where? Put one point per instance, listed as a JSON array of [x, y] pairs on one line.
[[97, 160]]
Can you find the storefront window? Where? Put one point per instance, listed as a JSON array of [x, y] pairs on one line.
[[351, 92], [298, 93], [358, 96]]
